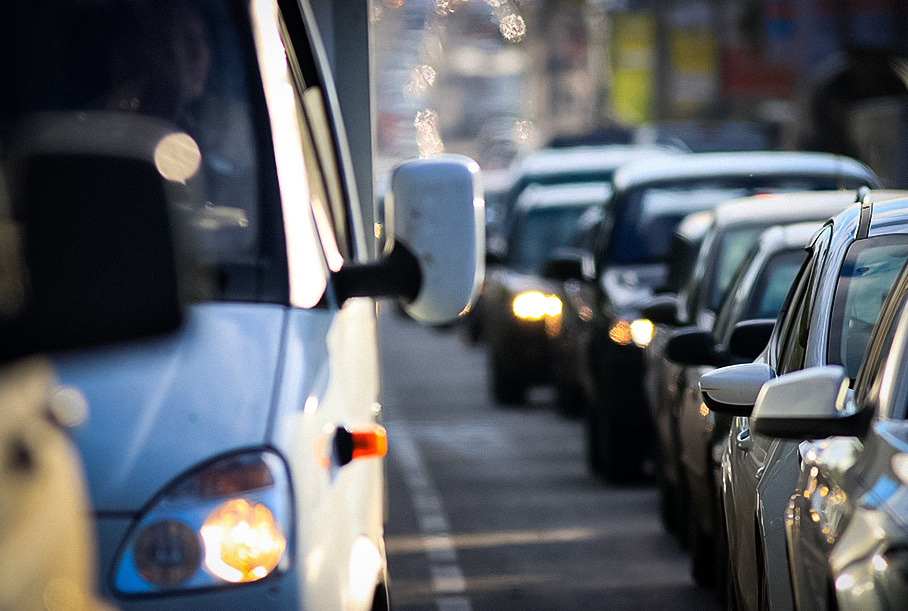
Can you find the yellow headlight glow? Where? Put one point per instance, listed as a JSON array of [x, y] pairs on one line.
[[534, 305], [642, 332], [639, 332], [242, 541], [620, 333]]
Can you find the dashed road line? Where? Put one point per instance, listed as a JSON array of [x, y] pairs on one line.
[[448, 581]]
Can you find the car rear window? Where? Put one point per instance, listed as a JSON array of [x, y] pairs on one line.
[[538, 232], [646, 216]]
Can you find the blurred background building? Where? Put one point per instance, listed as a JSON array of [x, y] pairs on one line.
[[491, 78]]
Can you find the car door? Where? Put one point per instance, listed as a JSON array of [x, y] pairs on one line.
[[839, 472], [746, 454]]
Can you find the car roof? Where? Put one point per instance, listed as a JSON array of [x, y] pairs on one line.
[[695, 225], [574, 194], [888, 216], [572, 160], [496, 181], [716, 165], [780, 208], [785, 237]]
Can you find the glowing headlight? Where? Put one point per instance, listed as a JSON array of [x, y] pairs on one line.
[[640, 332], [227, 522], [534, 305]]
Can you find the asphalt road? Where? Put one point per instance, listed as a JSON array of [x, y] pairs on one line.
[[493, 508]]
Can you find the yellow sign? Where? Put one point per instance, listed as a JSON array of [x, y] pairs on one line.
[[633, 66]]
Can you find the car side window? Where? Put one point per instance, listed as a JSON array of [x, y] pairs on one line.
[[796, 326], [869, 382], [868, 272]]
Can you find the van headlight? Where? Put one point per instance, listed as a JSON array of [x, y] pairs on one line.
[[229, 521]]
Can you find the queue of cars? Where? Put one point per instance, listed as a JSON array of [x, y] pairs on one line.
[[619, 264], [755, 294], [834, 302], [687, 435]]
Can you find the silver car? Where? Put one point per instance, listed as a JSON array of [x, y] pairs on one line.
[[847, 521], [869, 240]]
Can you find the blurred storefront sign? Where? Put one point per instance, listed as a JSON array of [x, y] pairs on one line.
[[694, 70], [634, 62]]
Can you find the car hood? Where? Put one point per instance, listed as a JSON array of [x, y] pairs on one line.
[[519, 282], [630, 287], [160, 407]]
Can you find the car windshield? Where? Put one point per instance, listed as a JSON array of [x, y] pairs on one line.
[[170, 75], [867, 275], [538, 232]]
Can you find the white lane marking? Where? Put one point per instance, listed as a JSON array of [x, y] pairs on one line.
[[448, 581], [454, 603]]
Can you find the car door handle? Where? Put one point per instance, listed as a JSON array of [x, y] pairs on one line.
[[744, 440]]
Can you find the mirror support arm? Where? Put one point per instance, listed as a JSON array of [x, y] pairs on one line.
[[396, 275]]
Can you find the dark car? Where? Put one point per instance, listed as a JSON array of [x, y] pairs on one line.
[[625, 260], [549, 166], [521, 308], [684, 433], [554, 166], [847, 519], [682, 257], [826, 319]]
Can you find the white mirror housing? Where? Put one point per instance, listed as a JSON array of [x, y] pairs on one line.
[[810, 404], [733, 390], [437, 212]]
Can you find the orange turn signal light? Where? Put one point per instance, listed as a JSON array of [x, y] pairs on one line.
[[370, 443], [345, 445]]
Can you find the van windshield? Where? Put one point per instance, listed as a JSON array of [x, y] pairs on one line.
[[162, 82]]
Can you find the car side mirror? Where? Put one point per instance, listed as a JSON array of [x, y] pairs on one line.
[[750, 337], [733, 390], [436, 262], [568, 264], [662, 310], [810, 404], [692, 347], [87, 249]]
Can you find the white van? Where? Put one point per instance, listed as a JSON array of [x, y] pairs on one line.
[[237, 462]]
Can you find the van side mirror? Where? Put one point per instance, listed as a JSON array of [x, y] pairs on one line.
[[436, 264], [87, 250]]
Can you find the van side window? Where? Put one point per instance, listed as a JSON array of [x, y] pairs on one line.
[[328, 197]]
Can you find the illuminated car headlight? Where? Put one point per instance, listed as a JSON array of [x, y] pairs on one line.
[[639, 331], [226, 522], [534, 305]]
